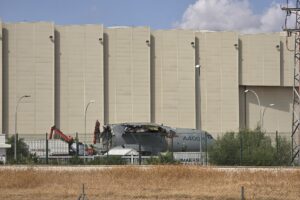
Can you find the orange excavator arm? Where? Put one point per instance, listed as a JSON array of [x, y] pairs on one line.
[[54, 131]]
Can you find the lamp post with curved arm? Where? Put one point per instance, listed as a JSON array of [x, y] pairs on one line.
[[253, 92], [86, 108], [16, 119]]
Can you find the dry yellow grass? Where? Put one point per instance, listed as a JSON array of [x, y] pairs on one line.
[[162, 182]]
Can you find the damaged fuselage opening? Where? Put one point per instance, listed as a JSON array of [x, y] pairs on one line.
[[153, 138]]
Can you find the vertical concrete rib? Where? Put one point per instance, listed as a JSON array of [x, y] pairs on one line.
[[79, 67], [175, 78], [1, 111], [128, 73], [29, 70], [219, 81]]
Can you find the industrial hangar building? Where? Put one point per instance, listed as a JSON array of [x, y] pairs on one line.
[[181, 78]]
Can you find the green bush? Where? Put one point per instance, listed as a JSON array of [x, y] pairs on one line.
[[23, 155], [251, 148], [283, 151], [110, 160], [166, 158], [75, 160]]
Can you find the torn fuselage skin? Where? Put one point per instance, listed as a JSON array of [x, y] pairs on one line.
[[153, 138]]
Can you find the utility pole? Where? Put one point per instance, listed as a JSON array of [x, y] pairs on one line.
[[85, 143], [16, 123], [295, 135]]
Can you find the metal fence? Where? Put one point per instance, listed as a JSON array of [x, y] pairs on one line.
[[56, 151]]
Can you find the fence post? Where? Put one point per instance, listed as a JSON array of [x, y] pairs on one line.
[[277, 144], [241, 148], [242, 193], [47, 148], [140, 150], [107, 147], [82, 196], [206, 150], [16, 147], [200, 148], [172, 147], [77, 145]]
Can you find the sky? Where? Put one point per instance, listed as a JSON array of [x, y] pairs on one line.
[[233, 15]]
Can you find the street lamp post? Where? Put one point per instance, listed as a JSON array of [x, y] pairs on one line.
[[198, 111], [253, 92], [16, 130], [197, 96], [86, 108], [263, 114]]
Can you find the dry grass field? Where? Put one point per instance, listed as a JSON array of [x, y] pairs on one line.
[[162, 182]]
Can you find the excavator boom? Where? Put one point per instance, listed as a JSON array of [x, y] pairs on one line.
[[54, 131]]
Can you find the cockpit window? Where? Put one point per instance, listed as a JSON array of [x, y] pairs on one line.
[[209, 136]]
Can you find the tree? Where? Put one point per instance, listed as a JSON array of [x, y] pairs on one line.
[[249, 147], [225, 150], [23, 154], [283, 153]]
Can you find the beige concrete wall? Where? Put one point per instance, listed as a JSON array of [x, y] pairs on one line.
[[174, 71], [260, 59], [218, 58], [84, 72], [1, 78], [277, 117], [287, 60], [79, 77], [28, 70], [128, 72]]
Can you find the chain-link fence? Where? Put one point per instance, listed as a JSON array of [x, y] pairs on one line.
[[44, 150]]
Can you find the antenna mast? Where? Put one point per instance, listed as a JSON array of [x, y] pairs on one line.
[[292, 13]]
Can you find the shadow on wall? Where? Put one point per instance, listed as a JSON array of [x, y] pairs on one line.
[[5, 97], [57, 79], [281, 64], [281, 97], [240, 58], [105, 77], [152, 80]]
